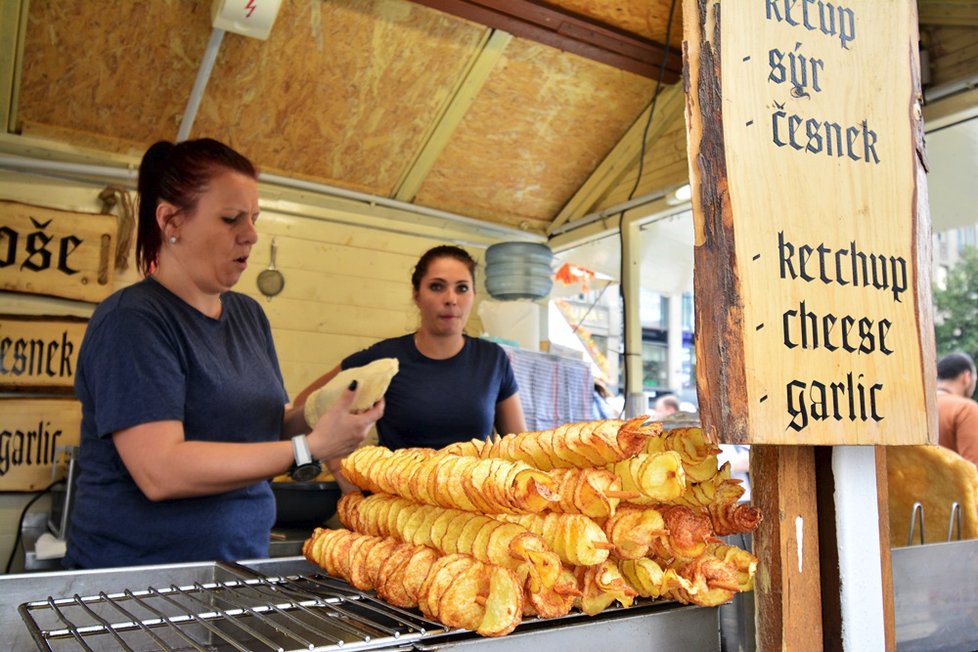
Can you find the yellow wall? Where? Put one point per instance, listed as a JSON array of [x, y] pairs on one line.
[[347, 275]]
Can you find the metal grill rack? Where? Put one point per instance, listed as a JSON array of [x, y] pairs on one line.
[[289, 604], [301, 612]]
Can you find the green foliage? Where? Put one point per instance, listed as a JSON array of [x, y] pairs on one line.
[[956, 307]]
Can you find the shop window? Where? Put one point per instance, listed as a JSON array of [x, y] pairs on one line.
[[654, 360]]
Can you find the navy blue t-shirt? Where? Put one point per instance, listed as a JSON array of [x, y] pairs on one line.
[[149, 356], [433, 403]]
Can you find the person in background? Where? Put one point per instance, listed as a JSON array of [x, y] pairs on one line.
[[183, 402], [957, 411], [739, 457], [449, 387], [600, 409], [666, 405]]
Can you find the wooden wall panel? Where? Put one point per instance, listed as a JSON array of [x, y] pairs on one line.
[[953, 53], [300, 315], [346, 286], [546, 120], [338, 298]]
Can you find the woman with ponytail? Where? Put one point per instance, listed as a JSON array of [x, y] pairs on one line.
[[183, 404]]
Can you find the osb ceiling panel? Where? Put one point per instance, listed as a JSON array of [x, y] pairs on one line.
[[115, 79], [647, 18], [343, 91], [541, 124]]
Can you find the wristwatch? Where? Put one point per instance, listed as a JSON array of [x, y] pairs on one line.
[[305, 468]]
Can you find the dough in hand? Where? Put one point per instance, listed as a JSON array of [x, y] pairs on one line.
[[372, 381]]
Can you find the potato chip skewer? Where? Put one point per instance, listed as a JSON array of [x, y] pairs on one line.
[[458, 482], [574, 445], [601, 585], [632, 530], [576, 539], [657, 477], [717, 497], [698, 453], [453, 531], [456, 589], [592, 492]]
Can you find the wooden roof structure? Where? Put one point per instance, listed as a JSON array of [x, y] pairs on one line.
[[521, 113]]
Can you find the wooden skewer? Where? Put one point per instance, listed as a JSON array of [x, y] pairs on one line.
[[623, 495], [603, 545]]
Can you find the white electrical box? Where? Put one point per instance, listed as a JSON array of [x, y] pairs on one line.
[[252, 18]]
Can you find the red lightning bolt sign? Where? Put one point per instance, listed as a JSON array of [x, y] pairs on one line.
[[250, 7]]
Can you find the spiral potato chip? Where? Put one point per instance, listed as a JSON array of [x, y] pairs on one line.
[[478, 485], [482, 533]]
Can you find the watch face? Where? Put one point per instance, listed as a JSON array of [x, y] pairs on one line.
[[306, 472]]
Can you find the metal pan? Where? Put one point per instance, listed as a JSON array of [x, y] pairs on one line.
[[271, 281], [305, 504]]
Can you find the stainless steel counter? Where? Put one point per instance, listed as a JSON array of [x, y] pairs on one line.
[[935, 596], [286, 604]]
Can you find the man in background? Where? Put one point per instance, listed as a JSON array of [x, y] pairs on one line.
[[957, 411], [666, 405]]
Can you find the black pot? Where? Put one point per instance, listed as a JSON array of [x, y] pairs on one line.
[[304, 504]]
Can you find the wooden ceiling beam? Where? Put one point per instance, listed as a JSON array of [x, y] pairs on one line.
[[564, 30], [950, 110], [948, 12], [623, 158], [13, 24], [454, 111]]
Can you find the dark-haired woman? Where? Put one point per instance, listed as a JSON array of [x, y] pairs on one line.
[[449, 387], [183, 403]]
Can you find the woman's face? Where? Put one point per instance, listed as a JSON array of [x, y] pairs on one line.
[[214, 243], [445, 297]]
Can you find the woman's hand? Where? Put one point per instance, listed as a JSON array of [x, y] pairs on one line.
[[338, 433]]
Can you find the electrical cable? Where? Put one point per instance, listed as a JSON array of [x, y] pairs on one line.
[[590, 308], [638, 177], [20, 521]]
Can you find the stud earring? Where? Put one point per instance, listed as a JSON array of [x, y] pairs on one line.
[[173, 239]]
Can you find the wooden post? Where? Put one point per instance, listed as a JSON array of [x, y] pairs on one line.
[[812, 289], [786, 589], [635, 402], [886, 558]]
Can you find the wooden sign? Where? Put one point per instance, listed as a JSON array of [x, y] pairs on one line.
[[812, 261], [57, 253], [39, 353], [30, 432]]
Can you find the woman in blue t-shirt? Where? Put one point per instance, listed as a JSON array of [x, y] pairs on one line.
[[183, 403], [449, 387]]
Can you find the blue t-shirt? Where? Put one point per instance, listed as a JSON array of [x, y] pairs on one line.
[[433, 403], [149, 356]]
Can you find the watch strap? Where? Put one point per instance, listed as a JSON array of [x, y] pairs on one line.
[[300, 450]]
